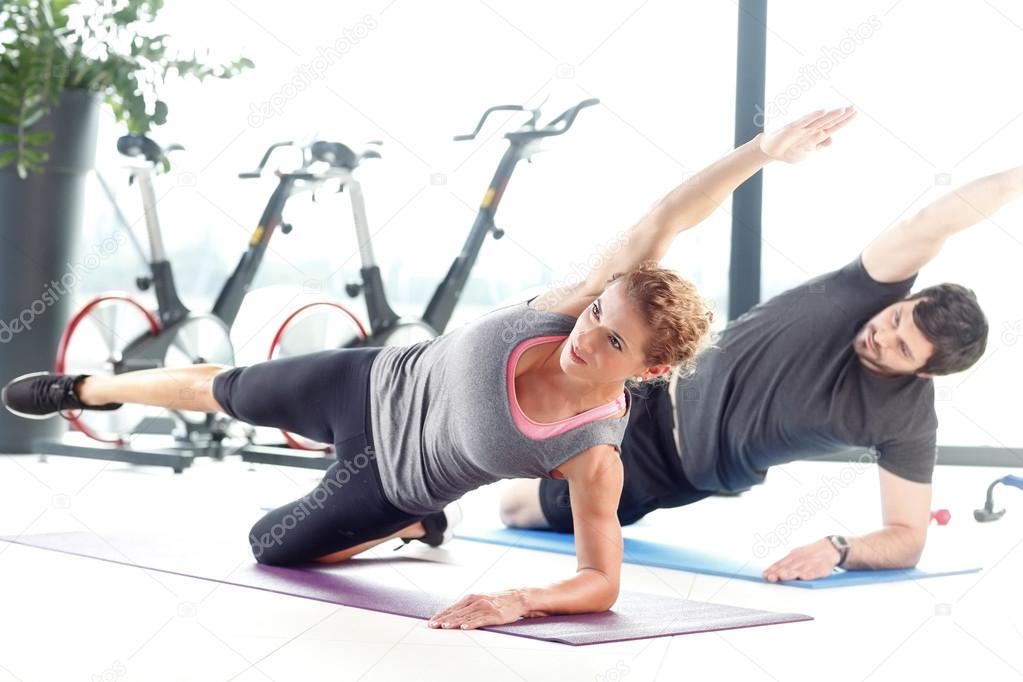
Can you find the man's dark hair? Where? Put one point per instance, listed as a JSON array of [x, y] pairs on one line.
[[951, 319]]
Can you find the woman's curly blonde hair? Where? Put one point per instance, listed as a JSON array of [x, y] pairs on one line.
[[677, 316]]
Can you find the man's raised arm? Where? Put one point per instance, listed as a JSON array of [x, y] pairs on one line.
[[899, 252]]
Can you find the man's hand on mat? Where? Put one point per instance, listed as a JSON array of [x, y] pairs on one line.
[[805, 563], [479, 610], [797, 140]]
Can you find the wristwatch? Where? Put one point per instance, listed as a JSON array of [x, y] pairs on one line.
[[842, 545]]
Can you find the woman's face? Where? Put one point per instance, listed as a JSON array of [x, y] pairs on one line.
[[608, 341]]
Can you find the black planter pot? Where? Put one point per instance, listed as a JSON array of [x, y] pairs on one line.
[[40, 220]]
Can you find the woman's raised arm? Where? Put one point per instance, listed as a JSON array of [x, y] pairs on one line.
[[696, 198]]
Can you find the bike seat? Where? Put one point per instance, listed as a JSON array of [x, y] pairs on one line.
[[334, 153], [140, 145]]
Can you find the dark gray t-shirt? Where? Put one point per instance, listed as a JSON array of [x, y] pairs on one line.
[[783, 383]]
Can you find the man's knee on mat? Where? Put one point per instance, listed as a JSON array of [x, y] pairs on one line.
[[520, 505]]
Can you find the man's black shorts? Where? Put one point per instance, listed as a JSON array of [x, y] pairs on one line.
[[653, 470]]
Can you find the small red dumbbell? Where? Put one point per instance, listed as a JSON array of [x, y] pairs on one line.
[[942, 516]]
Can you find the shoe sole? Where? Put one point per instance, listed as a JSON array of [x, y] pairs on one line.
[[3, 397], [454, 517]]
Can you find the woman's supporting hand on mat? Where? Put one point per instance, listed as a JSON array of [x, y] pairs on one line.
[[595, 486], [480, 610]]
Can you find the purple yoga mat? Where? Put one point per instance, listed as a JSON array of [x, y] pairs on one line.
[[400, 586]]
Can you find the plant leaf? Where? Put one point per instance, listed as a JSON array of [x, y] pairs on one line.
[[160, 113], [39, 137]]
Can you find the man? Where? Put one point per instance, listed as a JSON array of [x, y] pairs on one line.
[[844, 360]]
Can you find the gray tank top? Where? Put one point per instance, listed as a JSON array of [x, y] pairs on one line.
[[442, 420]]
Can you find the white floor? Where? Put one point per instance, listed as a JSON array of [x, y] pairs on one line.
[[68, 618]]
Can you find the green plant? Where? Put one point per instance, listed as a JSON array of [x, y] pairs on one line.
[[102, 46]]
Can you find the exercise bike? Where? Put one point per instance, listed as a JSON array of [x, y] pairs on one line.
[[329, 324], [134, 338], [115, 333]]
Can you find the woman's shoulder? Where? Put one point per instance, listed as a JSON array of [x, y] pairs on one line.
[[592, 463]]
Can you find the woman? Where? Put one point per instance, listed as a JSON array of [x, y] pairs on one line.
[[532, 390]]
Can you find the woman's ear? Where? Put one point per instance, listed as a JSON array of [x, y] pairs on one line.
[[655, 371]]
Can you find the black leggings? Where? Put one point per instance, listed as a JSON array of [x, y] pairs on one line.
[[324, 396]]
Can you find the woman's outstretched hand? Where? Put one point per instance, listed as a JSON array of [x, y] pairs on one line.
[[480, 610], [797, 140]]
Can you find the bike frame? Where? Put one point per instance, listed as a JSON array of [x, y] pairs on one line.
[[148, 351], [382, 318], [437, 315], [442, 304]]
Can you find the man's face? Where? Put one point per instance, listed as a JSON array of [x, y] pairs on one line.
[[890, 343]]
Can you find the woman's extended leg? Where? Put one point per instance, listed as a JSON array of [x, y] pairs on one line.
[[319, 395], [178, 388]]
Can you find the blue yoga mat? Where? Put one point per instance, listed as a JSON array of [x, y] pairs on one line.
[[647, 553]]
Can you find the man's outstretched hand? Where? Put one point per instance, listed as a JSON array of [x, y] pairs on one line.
[[797, 140]]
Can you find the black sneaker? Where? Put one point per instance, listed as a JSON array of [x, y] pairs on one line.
[[440, 526], [42, 394]]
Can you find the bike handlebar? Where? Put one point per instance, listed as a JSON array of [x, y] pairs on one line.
[[338, 155], [262, 163], [568, 117], [529, 130], [486, 115], [334, 154], [140, 145]]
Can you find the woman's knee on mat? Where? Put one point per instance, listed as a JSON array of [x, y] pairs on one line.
[[267, 540], [285, 537]]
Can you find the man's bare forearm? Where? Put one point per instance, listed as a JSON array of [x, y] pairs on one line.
[[903, 249], [968, 205], [891, 547]]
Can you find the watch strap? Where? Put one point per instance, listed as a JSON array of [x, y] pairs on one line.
[[842, 545]]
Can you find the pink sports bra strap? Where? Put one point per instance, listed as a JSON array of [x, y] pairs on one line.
[[536, 430]]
